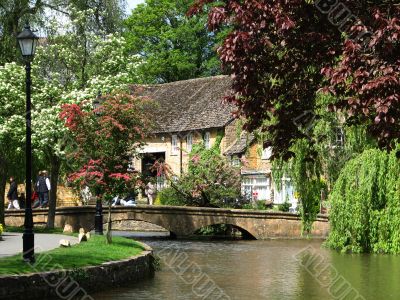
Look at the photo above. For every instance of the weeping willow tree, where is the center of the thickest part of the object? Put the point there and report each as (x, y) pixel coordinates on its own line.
(319, 157)
(305, 171)
(365, 214)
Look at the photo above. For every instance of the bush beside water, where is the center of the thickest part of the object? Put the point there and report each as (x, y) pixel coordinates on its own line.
(365, 213)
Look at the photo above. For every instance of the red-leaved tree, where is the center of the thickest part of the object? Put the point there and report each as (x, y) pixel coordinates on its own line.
(280, 53)
(107, 139)
(367, 78)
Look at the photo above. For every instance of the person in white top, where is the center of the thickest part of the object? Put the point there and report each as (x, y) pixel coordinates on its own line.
(150, 191)
(43, 187)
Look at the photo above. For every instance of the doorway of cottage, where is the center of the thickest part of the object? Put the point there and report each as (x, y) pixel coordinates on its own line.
(148, 170)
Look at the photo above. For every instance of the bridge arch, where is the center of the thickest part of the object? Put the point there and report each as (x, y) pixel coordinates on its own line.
(120, 219)
(245, 234)
(182, 225)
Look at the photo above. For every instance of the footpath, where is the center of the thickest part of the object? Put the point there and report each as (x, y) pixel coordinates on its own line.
(12, 242)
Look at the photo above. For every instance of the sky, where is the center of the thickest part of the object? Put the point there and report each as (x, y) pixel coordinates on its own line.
(132, 4)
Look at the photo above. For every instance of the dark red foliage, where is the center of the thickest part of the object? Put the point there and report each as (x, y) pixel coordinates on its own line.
(367, 77)
(277, 49)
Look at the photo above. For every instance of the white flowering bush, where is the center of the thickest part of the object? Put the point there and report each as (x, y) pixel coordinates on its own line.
(71, 66)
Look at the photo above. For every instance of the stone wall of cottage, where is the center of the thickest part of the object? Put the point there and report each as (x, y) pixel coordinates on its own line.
(254, 159)
(230, 135)
(163, 143)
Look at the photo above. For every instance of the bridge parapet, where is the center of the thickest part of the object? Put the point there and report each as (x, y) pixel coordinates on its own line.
(182, 220)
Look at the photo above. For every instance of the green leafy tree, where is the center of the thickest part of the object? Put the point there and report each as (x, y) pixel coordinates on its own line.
(106, 18)
(173, 46)
(11, 125)
(319, 158)
(69, 67)
(12, 15)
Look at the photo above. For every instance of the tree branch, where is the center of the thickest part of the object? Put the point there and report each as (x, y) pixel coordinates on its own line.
(56, 9)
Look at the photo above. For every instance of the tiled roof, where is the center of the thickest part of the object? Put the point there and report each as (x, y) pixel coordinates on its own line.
(241, 144)
(189, 105)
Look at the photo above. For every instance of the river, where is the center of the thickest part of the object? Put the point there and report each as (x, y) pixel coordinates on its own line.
(273, 269)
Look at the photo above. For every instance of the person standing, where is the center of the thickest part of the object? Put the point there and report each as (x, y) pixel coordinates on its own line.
(43, 187)
(12, 194)
(150, 192)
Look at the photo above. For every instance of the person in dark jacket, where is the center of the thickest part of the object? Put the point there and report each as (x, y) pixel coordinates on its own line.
(12, 194)
(43, 188)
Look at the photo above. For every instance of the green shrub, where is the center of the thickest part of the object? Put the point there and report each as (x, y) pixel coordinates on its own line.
(1, 229)
(169, 196)
(210, 181)
(365, 213)
(247, 206)
(284, 206)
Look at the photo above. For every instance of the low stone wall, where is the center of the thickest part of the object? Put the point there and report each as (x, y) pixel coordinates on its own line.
(79, 283)
(66, 196)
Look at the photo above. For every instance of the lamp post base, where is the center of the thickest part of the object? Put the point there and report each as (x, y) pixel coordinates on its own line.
(98, 219)
(28, 247)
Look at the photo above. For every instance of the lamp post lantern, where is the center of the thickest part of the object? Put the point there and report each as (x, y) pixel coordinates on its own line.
(27, 42)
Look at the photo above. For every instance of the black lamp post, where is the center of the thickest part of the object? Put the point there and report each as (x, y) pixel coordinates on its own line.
(98, 219)
(27, 42)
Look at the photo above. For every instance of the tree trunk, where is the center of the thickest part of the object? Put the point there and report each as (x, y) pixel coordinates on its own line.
(108, 234)
(55, 173)
(3, 181)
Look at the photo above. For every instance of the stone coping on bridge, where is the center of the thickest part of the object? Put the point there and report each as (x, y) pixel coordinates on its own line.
(68, 284)
(173, 209)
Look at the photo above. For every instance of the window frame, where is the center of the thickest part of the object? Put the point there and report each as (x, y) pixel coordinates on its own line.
(207, 140)
(174, 145)
(189, 142)
(254, 184)
(264, 156)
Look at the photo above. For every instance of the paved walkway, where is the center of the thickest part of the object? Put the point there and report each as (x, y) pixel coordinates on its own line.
(12, 242)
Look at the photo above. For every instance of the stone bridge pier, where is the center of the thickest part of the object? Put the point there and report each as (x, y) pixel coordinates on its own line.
(183, 221)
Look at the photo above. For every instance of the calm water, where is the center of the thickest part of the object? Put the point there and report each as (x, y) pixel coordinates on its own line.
(276, 269)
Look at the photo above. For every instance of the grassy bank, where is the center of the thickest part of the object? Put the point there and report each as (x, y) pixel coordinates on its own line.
(91, 253)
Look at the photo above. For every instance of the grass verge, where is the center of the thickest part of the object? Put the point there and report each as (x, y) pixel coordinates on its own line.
(91, 253)
(37, 229)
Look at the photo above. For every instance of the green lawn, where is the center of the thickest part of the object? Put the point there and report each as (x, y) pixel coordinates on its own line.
(93, 252)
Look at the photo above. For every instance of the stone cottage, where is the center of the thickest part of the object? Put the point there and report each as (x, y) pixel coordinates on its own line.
(192, 111)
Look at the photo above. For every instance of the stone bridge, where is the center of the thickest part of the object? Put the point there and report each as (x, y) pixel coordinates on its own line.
(182, 221)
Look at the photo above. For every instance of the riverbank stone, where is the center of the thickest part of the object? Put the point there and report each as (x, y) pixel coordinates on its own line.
(65, 243)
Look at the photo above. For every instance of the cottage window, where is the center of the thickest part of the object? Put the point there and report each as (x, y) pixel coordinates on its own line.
(267, 153)
(257, 187)
(189, 142)
(174, 145)
(207, 140)
(235, 161)
(285, 193)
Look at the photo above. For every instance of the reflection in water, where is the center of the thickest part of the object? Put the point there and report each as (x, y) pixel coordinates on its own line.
(267, 270)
